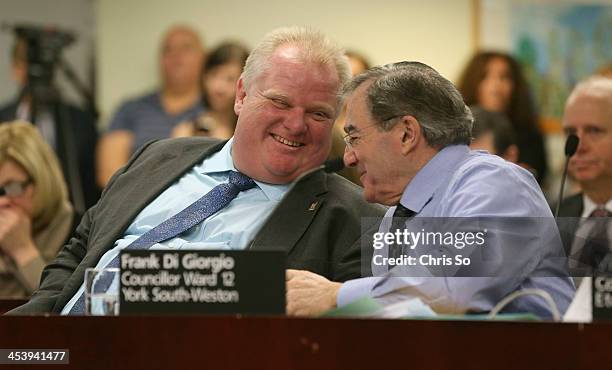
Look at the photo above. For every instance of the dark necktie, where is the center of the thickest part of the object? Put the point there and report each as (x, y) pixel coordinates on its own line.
(596, 245)
(213, 201)
(400, 216)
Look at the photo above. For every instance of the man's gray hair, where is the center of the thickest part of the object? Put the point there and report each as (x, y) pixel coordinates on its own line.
(599, 86)
(314, 46)
(413, 88)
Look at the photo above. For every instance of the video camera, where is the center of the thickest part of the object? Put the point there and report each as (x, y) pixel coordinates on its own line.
(44, 46)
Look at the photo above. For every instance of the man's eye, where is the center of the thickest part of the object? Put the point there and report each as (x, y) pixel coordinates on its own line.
(279, 103)
(570, 131)
(321, 116)
(593, 130)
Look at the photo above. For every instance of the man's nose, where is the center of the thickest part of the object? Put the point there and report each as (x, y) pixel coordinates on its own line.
(583, 144)
(296, 121)
(4, 201)
(350, 159)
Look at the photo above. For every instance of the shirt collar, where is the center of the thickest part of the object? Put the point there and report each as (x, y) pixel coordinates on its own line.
(422, 187)
(590, 206)
(222, 161)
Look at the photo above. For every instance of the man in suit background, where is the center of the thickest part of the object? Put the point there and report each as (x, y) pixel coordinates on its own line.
(588, 114)
(286, 102)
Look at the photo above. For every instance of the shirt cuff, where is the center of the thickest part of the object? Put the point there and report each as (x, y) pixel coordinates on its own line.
(355, 289)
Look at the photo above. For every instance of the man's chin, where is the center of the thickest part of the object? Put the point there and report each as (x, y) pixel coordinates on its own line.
(585, 176)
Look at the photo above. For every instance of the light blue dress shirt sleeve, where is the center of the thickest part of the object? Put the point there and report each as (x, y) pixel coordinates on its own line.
(353, 290)
(462, 183)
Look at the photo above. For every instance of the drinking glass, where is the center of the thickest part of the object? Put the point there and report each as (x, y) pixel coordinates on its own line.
(102, 291)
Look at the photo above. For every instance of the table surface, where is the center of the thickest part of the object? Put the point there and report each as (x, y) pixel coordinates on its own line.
(235, 342)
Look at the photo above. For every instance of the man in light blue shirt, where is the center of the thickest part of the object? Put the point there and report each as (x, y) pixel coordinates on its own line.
(262, 190)
(407, 134)
(231, 228)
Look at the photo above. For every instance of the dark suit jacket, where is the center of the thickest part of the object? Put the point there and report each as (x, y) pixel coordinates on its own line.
(570, 212)
(82, 127)
(318, 223)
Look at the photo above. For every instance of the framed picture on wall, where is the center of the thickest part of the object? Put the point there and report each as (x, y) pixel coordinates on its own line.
(557, 42)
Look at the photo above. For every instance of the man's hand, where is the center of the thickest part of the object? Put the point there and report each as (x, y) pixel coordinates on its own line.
(309, 294)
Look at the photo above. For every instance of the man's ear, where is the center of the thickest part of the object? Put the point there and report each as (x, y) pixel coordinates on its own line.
(240, 96)
(410, 133)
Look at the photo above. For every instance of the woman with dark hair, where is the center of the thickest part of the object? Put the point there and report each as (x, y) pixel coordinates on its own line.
(494, 81)
(220, 73)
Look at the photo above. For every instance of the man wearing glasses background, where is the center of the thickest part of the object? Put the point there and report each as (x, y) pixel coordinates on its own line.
(588, 114)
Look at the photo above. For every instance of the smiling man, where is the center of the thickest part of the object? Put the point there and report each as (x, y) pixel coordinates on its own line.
(408, 132)
(286, 102)
(286, 114)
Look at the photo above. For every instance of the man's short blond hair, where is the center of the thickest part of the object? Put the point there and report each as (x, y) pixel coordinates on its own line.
(314, 47)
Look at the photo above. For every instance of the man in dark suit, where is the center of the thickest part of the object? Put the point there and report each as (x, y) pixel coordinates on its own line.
(588, 114)
(286, 102)
(69, 130)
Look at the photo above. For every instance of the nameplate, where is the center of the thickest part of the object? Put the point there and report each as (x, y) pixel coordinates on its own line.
(602, 296)
(202, 282)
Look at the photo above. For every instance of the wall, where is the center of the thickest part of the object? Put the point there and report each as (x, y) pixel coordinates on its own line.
(436, 32)
(74, 15)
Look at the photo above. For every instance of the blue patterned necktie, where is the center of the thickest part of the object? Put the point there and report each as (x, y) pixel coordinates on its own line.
(213, 201)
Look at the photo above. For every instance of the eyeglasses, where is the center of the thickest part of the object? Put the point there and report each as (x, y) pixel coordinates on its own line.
(14, 189)
(351, 140)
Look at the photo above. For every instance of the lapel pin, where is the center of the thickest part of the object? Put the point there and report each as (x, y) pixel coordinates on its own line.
(313, 206)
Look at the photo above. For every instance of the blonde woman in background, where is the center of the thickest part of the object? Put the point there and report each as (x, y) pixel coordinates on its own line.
(35, 214)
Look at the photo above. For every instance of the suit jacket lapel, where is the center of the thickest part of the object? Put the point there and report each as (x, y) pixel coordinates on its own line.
(569, 220)
(135, 193)
(290, 220)
(572, 206)
(129, 194)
